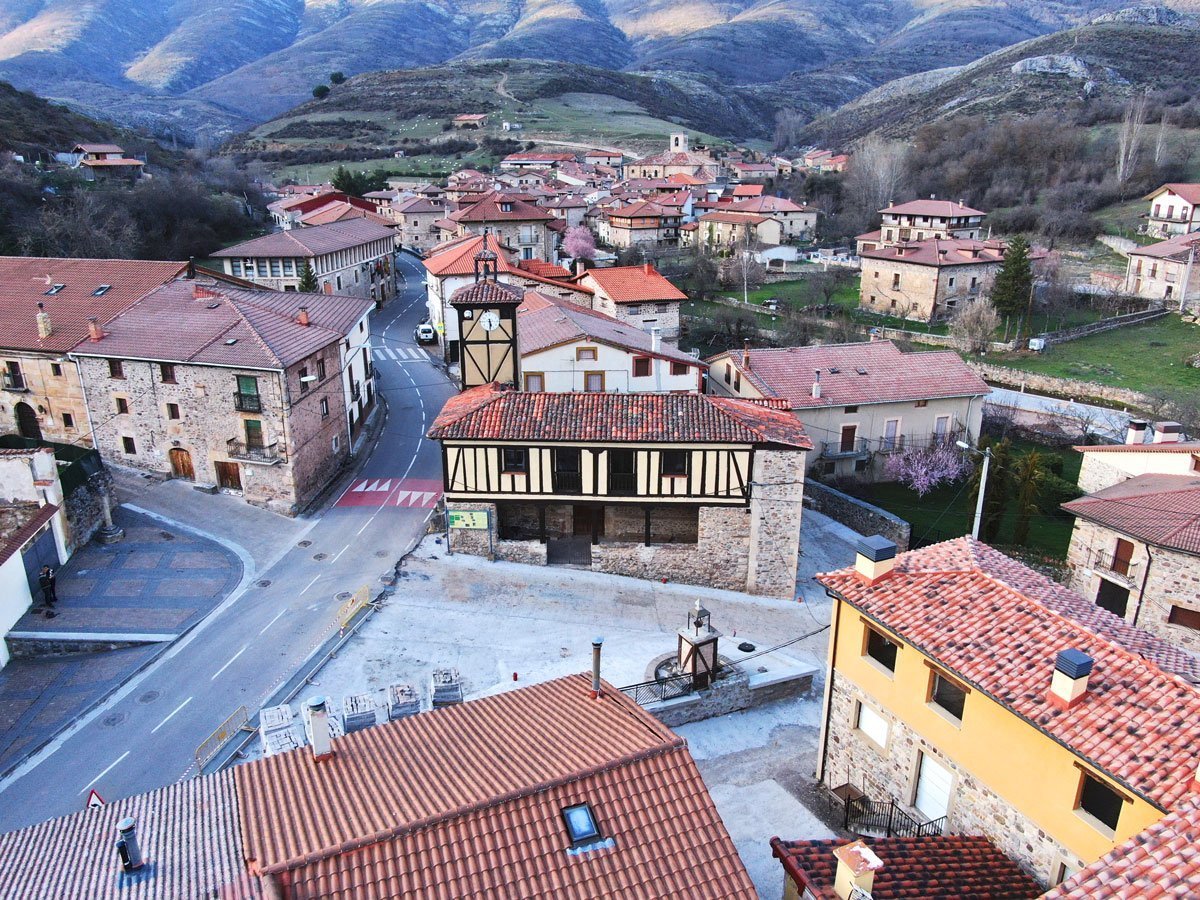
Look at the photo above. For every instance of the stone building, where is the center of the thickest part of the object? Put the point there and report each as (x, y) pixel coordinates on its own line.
(44, 307)
(726, 228)
(515, 222)
(353, 258)
(1167, 272)
(967, 694)
(860, 403)
(1134, 549)
(415, 220)
(243, 389)
(922, 220)
(677, 159)
(637, 295)
(697, 489)
(795, 220)
(642, 224)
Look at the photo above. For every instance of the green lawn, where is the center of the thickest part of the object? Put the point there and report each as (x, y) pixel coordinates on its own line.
(1143, 358)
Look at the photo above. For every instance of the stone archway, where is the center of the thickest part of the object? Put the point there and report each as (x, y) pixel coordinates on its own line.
(27, 422)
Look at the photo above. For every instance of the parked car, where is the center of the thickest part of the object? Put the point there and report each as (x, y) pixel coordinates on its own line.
(425, 333)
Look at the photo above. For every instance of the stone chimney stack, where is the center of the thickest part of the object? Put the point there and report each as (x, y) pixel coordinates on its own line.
(95, 332)
(43, 322)
(1069, 684)
(816, 388)
(875, 558)
(856, 868)
(302, 316)
(318, 726)
(1136, 433)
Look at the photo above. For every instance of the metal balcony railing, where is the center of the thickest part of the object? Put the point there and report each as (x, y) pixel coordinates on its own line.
(247, 402)
(622, 483)
(568, 482)
(1109, 562)
(856, 449)
(656, 691)
(14, 381)
(236, 448)
(888, 818)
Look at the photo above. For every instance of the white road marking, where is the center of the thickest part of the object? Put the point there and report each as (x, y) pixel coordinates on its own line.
(273, 621)
(402, 497)
(386, 486)
(379, 354)
(307, 586)
(105, 772)
(339, 553)
(171, 714)
(228, 664)
(361, 485)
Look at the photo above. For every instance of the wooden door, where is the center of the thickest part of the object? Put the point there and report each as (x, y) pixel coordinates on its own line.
(229, 475)
(181, 464)
(848, 433)
(588, 521)
(1123, 556)
(27, 422)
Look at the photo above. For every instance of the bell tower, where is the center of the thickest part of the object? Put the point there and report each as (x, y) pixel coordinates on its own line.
(487, 324)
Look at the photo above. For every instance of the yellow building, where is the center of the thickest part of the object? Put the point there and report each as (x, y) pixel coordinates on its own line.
(971, 695)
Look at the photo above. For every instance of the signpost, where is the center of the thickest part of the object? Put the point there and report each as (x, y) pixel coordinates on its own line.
(94, 800)
(472, 519)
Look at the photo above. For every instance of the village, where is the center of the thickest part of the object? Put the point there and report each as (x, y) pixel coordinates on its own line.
(657, 545)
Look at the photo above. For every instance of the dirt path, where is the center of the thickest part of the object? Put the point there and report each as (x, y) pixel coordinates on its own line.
(502, 89)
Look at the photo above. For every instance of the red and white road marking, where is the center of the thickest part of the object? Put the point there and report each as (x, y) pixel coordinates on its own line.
(416, 493)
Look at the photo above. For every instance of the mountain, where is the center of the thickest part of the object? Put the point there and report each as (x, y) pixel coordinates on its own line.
(205, 67)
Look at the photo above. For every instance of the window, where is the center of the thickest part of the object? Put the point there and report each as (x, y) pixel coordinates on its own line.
(974, 282)
(895, 281)
(581, 824)
(235, 267)
(678, 368)
(881, 649)
(642, 367)
(122, 406)
(921, 403)
(634, 309)
(947, 694)
(728, 369)
(593, 382)
(115, 369)
(254, 434)
(851, 409)
(675, 463)
(276, 268)
(128, 446)
(289, 267)
(1188, 618)
(950, 281)
(56, 370)
(339, 282)
(535, 382)
(321, 369)
(304, 382)
(514, 461)
(325, 410)
(1099, 801)
(662, 307)
(567, 463)
(737, 380)
(872, 724)
(585, 353)
(172, 410)
(68, 420)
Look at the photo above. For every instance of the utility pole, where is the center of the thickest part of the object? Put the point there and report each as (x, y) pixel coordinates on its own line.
(986, 453)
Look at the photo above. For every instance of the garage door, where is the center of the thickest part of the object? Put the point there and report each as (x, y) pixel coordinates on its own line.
(933, 788)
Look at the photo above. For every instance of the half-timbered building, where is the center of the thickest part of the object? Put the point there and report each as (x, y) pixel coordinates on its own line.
(690, 487)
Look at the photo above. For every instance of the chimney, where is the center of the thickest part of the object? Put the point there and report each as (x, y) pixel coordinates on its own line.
(94, 331)
(127, 845)
(875, 559)
(302, 316)
(1167, 432)
(43, 321)
(933, 196)
(656, 339)
(596, 643)
(746, 355)
(318, 726)
(856, 868)
(649, 269)
(200, 292)
(1136, 434)
(816, 388)
(1069, 685)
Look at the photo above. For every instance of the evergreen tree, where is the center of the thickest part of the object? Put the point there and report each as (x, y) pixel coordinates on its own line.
(336, 77)
(1014, 281)
(308, 279)
(321, 91)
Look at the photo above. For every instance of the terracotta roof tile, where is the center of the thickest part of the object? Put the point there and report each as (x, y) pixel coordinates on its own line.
(1159, 509)
(1169, 447)
(1189, 192)
(489, 413)
(1177, 248)
(458, 257)
(769, 205)
(488, 292)
(314, 241)
(634, 284)
(946, 252)
(891, 375)
(732, 217)
(489, 208)
(999, 626)
(643, 209)
(938, 867)
(544, 269)
(1162, 861)
(938, 208)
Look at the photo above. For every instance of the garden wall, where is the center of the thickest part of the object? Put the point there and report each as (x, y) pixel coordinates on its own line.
(857, 514)
(1069, 388)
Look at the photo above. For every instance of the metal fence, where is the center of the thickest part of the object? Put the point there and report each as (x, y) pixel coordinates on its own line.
(657, 691)
(214, 742)
(861, 814)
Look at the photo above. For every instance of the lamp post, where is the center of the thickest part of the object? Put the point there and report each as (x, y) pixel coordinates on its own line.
(986, 453)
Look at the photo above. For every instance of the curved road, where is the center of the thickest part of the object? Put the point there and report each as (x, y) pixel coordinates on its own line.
(259, 637)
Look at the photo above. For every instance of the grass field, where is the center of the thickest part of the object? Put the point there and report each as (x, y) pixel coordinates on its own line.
(1142, 358)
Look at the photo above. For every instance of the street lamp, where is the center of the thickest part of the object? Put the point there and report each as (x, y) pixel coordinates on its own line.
(986, 453)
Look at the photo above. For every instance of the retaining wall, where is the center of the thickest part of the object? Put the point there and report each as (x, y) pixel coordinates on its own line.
(857, 514)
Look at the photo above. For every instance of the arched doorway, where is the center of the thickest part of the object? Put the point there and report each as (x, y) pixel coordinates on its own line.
(181, 464)
(27, 422)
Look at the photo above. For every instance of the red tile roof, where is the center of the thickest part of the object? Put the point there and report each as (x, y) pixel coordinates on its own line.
(544, 269)
(105, 163)
(676, 159)
(468, 801)
(891, 376)
(1169, 447)
(491, 292)
(1162, 861)
(747, 190)
(1163, 510)
(19, 522)
(941, 867)
(533, 156)
(730, 217)
(936, 208)
(971, 610)
(340, 211)
(1178, 248)
(1189, 192)
(310, 242)
(458, 257)
(24, 281)
(99, 148)
(946, 252)
(489, 208)
(768, 205)
(489, 412)
(633, 284)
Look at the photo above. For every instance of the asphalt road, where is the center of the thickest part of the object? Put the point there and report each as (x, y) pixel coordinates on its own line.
(146, 735)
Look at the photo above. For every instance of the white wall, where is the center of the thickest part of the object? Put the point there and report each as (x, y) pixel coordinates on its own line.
(354, 368)
(564, 374)
(15, 598)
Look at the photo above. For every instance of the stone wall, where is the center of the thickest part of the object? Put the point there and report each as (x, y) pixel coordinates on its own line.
(857, 515)
(1060, 387)
(891, 772)
(776, 507)
(85, 508)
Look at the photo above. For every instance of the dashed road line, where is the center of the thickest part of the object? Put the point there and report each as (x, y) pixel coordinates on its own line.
(228, 664)
(273, 621)
(105, 772)
(170, 715)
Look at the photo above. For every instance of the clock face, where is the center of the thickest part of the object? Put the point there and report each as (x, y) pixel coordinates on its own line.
(490, 320)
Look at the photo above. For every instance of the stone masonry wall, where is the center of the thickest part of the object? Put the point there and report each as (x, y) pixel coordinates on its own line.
(891, 772)
(776, 506)
(1060, 387)
(857, 514)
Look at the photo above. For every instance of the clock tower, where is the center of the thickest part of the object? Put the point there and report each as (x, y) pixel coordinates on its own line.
(487, 326)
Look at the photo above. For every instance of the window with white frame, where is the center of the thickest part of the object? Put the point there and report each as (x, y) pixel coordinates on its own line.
(872, 724)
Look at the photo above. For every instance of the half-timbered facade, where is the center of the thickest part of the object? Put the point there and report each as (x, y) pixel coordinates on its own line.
(695, 488)
(487, 326)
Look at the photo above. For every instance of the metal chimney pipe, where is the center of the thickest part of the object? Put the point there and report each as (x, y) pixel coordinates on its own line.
(127, 845)
(318, 723)
(596, 642)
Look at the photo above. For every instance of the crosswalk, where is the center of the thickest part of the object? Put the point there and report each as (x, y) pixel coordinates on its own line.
(402, 354)
(415, 493)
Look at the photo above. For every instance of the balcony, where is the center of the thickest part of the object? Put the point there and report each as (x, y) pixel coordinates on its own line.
(265, 454)
(14, 381)
(880, 818)
(568, 482)
(247, 402)
(1113, 566)
(622, 484)
(920, 440)
(859, 448)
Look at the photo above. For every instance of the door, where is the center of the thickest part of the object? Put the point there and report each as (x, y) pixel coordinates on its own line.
(1123, 556)
(1113, 597)
(41, 551)
(27, 422)
(229, 476)
(891, 429)
(941, 429)
(588, 521)
(254, 434)
(933, 788)
(181, 464)
(848, 433)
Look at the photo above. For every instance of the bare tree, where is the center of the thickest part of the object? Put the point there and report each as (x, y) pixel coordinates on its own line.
(973, 324)
(1161, 141)
(878, 171)
(1129, 138)
(85, 225)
